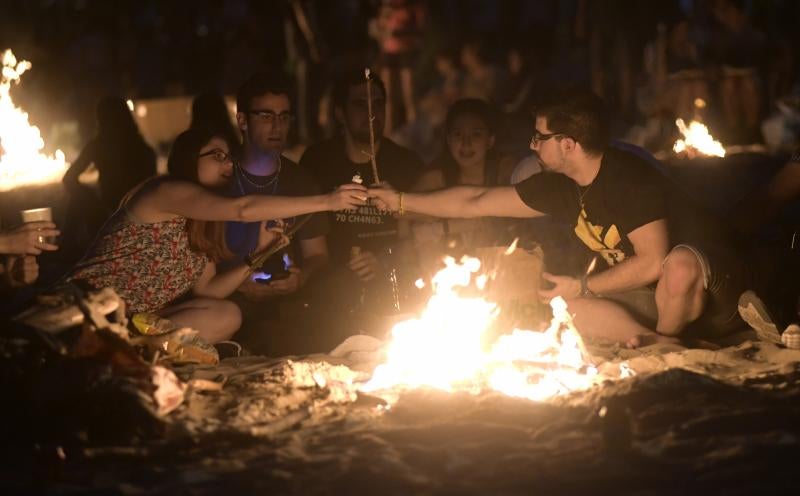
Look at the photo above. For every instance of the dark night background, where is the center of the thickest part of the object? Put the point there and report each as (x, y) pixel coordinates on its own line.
(82, 49)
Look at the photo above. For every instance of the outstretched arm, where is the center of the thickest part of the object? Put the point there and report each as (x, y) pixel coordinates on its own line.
(457, 202)
(165, 199)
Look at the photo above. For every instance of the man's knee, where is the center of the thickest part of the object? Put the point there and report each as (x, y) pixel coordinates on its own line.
(682, 273)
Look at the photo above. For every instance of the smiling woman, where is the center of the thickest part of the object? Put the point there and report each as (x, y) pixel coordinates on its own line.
(166, 238)
(468, 158)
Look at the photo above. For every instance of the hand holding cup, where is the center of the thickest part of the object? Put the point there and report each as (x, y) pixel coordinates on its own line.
(31, 238)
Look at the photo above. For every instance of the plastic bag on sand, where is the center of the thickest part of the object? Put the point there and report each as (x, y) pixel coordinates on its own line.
(169, 389)
(176, 344)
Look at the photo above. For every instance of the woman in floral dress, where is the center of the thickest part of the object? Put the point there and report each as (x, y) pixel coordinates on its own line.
(159, 250)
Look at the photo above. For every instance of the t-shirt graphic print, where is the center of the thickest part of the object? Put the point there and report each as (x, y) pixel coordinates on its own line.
(604, 241)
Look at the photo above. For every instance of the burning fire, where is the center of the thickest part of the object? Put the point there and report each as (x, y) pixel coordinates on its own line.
(697, 139)
(21, 160)
(445, 348)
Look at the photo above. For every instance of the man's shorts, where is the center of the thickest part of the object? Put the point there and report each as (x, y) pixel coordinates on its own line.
(727, 273)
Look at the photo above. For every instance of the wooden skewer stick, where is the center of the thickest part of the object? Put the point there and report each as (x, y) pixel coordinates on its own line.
(371, 127)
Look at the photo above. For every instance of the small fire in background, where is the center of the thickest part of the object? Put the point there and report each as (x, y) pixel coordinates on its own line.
(22, 162)
(445, 348)
(697, 140)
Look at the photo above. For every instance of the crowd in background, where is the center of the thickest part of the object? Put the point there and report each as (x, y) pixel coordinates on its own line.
(649, 60)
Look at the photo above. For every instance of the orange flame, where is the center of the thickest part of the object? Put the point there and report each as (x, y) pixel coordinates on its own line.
(444, 348)
(697, 139)
(21, 160)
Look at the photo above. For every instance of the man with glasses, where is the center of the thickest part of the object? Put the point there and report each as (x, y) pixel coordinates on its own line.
(668, 269)
(359, 239)
(264, 116)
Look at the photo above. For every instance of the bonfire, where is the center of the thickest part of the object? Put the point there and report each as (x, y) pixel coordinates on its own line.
(22, 162)
(454, 346)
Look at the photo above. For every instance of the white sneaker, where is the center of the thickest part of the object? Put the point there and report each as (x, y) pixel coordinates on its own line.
(753, 311)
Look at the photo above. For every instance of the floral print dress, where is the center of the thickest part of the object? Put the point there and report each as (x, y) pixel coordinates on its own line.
(148, 265)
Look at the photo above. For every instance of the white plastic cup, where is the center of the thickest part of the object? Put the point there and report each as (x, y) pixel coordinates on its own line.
(37, 215)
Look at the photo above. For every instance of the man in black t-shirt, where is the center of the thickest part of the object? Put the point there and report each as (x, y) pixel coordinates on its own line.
(264, 118)
(340, 159)
(666, 263)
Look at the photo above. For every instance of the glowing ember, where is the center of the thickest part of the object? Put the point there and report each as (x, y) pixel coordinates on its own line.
(445, 347)
(697, 140)
(21, 160)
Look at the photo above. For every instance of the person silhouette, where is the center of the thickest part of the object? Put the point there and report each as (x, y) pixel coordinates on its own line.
(122, 158)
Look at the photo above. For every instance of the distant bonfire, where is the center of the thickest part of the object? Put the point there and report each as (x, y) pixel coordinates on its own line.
(697, 141)
(22, 162)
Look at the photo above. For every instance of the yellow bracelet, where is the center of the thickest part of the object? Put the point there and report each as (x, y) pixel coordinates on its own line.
(400, 210)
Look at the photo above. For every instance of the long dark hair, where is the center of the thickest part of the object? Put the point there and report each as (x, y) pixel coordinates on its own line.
(204, 236)
(210, 111)
(446, 162)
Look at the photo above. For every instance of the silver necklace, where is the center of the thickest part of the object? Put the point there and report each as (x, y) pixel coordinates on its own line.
(582, 193)
(272, 182)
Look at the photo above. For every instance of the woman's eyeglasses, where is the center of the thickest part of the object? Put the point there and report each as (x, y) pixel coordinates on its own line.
(218, 155)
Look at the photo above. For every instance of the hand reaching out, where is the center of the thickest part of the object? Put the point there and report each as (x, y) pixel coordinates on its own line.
(348, 197)
(385, 197)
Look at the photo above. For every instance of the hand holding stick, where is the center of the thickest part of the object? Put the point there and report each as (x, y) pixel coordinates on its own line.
(257, 260)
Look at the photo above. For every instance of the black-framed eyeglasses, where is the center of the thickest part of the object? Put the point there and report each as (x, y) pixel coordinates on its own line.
(271, 117)
(218, 155)
(539, 137)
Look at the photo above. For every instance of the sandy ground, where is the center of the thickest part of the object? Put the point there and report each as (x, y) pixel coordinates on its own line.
(689, 421)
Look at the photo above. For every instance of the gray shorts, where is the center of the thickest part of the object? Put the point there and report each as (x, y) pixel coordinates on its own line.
(726, 275)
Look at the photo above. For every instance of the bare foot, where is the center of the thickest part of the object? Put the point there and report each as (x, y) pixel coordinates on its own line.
(649, 339)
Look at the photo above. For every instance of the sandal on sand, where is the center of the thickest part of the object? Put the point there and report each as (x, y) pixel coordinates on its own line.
(754, 311)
